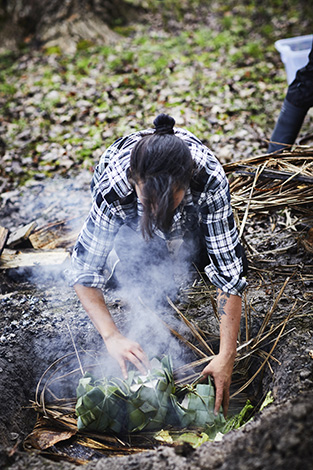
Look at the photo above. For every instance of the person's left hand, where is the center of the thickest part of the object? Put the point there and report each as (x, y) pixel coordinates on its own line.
(220, 369)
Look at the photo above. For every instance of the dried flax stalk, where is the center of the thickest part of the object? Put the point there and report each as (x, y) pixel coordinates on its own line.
(175, 333)
(268, 357)
(271, 182)
(252, 346)
(257, 173)
(192, 328)
(269, 314)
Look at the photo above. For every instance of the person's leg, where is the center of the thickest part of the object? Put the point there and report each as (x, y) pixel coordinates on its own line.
(287, 127)
(298, 100)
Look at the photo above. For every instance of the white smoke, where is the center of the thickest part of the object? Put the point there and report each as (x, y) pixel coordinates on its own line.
(147, 276)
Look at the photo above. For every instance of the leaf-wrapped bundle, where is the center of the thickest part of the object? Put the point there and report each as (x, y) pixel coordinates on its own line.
(147, 403)
(100, 406)
(197, 409)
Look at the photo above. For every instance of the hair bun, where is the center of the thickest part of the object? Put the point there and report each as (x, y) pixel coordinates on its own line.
(164, 124)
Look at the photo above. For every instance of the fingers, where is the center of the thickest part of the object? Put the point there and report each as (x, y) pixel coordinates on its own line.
(123, 350)
(219, 395)
(226, 402)
(221, 391)
(142, 357)
(123, 368)
(131, 357)
(139, 359)
(221, 398)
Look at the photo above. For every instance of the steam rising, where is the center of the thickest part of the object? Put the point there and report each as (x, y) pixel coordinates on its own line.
(147, 274)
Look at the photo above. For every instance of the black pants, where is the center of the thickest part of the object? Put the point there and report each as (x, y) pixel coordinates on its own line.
(298, 100)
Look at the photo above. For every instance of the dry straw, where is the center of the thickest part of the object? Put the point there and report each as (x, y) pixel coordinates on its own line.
(271, 182)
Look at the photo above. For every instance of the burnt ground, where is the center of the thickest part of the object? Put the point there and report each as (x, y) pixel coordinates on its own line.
(38, 308)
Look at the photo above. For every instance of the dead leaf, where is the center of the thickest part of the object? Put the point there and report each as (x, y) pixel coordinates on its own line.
(44, 436)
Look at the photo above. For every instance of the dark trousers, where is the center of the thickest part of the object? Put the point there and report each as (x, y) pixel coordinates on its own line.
(298, 100)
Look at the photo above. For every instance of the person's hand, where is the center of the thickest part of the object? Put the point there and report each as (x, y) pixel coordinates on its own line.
(123, 349)
(220, 368)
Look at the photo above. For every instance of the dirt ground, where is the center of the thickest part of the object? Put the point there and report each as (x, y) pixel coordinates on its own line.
(38, 309)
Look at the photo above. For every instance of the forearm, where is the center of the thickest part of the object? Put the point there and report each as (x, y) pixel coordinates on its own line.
(119, 347)
(221, 367)
(93, 302)
(229, 311)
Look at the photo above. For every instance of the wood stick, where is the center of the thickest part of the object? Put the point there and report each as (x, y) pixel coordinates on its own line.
(243, 223)
(191, 327)
(11, 259)
(21, 234)
(4, 233)
(273, 174)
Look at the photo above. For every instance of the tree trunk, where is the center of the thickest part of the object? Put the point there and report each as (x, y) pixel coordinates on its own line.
(60, 23)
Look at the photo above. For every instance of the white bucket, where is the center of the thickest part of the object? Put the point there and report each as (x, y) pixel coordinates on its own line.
(294, 53)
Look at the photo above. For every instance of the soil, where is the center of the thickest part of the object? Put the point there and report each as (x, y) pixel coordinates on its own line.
(38, 309)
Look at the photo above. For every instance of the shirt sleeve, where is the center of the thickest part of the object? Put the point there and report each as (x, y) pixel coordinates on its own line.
(226, 269)
(94, 244)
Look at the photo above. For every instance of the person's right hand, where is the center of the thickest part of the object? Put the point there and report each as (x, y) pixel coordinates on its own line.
(123, 349)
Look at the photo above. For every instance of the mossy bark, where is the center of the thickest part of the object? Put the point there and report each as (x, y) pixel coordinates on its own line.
(61, 23)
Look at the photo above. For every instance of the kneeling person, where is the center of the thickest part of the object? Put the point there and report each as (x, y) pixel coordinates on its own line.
(152, 188)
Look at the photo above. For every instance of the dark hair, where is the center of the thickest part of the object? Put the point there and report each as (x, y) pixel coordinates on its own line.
(161, 163)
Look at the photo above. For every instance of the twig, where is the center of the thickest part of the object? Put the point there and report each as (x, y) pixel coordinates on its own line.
(77, 355)
(276, 174)
(191, 327)
(192, 365)
(243, 223)
(270, 312)
(264, 362)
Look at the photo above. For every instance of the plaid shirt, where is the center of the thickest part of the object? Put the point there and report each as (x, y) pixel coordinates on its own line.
(206, 202)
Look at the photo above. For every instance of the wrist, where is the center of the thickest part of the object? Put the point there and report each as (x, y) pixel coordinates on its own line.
(109, 335)
(229, 354)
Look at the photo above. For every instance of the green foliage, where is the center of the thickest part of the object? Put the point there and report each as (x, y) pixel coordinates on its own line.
(124, 30)
(7, 88)
(53, 50)
(146, 403)
(235, 422)
(197, 409)
(216, 78)
(7, 60)
(269, 399)
(84, 44)
(100, 405)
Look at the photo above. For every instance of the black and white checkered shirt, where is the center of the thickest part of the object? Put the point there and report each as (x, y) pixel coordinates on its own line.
(115, 203)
